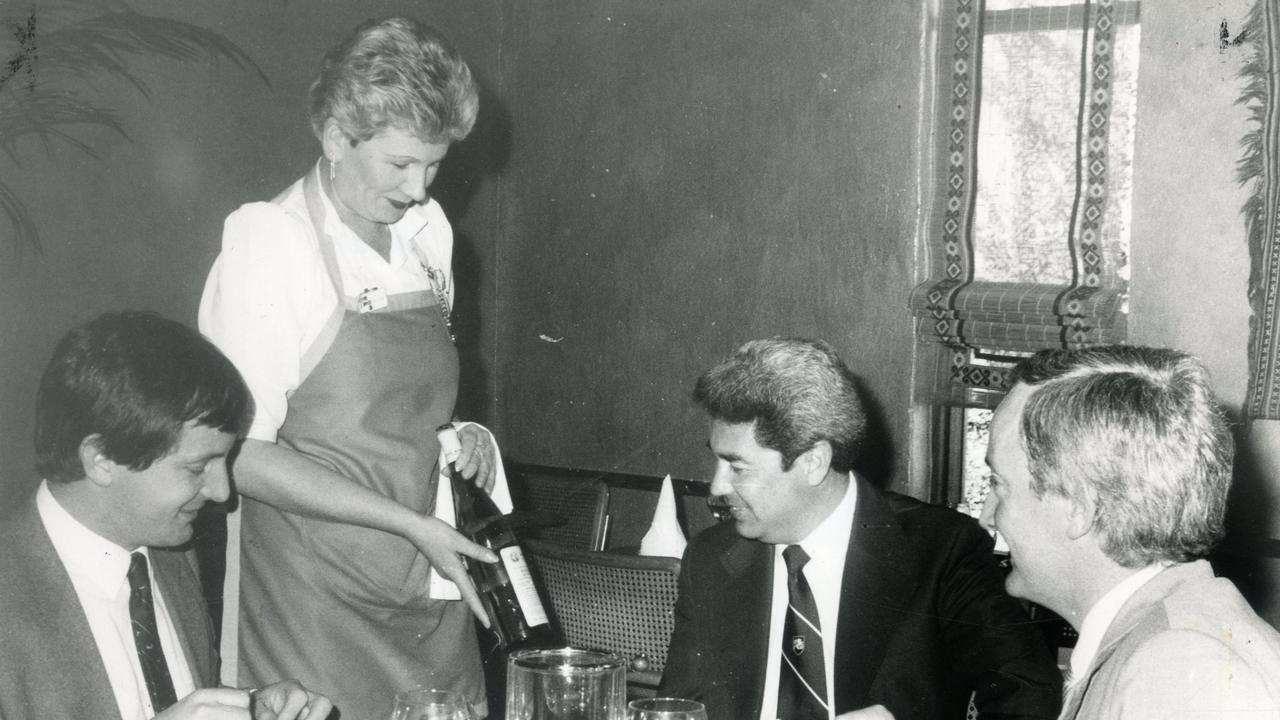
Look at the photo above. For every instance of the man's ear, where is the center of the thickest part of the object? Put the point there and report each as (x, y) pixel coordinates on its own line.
(816, 461)
(1080, 513)
(98, 468)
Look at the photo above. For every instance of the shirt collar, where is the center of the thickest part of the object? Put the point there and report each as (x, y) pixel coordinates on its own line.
(1102, 614)
(832, 534)
(83, 551)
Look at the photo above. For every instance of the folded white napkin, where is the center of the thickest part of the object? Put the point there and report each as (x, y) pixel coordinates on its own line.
(439, 587)
(664, 536)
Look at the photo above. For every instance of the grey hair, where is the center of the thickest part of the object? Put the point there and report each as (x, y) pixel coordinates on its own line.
(1140, 431)
(797, 392)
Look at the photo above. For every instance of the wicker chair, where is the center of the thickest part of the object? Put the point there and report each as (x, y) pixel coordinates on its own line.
(622, 603)
(582, 504)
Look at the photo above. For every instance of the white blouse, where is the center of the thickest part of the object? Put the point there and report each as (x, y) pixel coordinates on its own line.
(268, 295)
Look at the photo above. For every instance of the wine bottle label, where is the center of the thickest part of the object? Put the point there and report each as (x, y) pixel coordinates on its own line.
(522, 583)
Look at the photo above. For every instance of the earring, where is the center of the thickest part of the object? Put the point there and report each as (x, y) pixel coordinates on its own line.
(332, 166)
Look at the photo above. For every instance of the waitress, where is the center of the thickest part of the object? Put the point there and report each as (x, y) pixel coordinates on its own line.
(333, 300)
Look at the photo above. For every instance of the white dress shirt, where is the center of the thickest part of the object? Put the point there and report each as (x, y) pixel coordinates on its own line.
(1100, 617)
(826, 546)
(269, 296)
(99, 570)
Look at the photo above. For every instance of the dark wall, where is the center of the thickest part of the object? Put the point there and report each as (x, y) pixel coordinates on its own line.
(140, 225)
(651, 183)
(684, 177)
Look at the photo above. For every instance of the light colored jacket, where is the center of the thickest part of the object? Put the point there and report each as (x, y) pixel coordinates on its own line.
(1186, 645)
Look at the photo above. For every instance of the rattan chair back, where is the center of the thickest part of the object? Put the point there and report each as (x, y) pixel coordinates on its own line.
(622, 603)
(583, 505)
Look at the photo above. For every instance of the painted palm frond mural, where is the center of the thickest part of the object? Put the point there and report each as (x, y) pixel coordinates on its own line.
(51, 53)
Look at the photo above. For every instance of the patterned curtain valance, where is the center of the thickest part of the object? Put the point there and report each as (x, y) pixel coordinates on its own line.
(1016, 316)
(958, 312)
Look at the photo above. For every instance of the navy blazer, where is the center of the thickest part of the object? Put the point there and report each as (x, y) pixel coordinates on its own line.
(924, 621)
(49, 662)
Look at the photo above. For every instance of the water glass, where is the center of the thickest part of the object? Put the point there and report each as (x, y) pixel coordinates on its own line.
(431, 704)
(566, 684)
(666, 709)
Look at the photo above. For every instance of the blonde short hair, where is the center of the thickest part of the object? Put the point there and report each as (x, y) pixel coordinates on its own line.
(395, 73)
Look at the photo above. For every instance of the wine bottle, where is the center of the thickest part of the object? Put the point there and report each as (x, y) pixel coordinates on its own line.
(507, 588)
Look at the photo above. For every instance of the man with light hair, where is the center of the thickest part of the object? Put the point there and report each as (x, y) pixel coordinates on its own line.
(1111, 468)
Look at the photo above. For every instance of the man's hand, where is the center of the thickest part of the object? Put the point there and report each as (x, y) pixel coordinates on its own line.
(285, 700)
(875, 712)
(442, 545)
(208, 704)
(288, 700)
(476, 460)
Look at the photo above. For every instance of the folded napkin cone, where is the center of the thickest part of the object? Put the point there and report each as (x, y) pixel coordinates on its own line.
(664, 536)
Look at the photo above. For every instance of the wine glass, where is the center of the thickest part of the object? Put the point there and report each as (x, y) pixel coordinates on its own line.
(666, 709)
(431, 704)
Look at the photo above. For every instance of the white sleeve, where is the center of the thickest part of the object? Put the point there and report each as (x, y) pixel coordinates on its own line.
(266, 297)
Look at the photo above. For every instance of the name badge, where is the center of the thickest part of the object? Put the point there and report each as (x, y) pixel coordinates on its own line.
(371, 299)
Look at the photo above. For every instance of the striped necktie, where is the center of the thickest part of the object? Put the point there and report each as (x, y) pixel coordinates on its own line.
(802, 681)
(146, 637)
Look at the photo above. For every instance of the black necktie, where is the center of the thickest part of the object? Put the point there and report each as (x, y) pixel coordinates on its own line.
(146, 637)
(802, 681)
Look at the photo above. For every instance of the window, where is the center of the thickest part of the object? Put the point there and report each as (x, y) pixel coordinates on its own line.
(1027, 145)
(1028, 236)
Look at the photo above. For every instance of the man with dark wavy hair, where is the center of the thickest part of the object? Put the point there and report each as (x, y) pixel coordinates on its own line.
(1111, 467)
(103, 616)
(826, 597)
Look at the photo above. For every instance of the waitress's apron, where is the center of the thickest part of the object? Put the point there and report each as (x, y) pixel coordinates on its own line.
(344, 609)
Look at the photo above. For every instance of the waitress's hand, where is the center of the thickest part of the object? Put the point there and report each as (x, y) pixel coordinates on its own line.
(442, 545)
(476, 461)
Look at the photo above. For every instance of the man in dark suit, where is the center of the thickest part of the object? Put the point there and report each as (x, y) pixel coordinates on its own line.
(135, 418)
(826, 597)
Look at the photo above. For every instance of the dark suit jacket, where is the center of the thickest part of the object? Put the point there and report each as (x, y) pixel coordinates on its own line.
(49, 663)
(924, 620)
